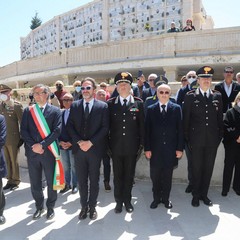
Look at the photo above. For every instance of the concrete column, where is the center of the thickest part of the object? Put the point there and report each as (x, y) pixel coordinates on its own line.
(171, 73)
(65, 79)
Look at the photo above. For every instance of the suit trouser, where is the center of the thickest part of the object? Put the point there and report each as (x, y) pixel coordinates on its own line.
(87, 166)
(189, 161)
(36, 164)
(162, 182)
(123, 177)
(106, 167)
(232, 161)
(10, 153)
(2, 198)
(203, 159)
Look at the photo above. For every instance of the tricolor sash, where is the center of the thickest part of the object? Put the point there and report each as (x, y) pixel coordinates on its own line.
(43, 128)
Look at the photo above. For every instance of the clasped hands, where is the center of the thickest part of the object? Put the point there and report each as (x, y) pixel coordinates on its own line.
(85, 145)
(37, 148)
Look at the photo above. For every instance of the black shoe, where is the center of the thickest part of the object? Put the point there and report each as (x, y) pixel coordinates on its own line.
(14, 187)
(107, 186)
(50, 214)
(129, 207)
(206, 201)
(83, 213)
(189, 189)
(38, 214)
(237, 192)
(2, 219)
(93, 214)
(7, 186)
(195, 202)
(118, 208)
(154, 204)
(74, 190)
(65, 189)
(168, 204)
(224, 194)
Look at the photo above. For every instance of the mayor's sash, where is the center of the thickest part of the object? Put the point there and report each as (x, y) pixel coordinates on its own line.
(43, 128)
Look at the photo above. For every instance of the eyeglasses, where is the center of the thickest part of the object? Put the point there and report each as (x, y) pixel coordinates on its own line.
(38, 93)
(191, 76)
(184, 80)
(151, 80)
(229, 72)
(86, 88)
(77, 85)
(67, 100)
(162, 92)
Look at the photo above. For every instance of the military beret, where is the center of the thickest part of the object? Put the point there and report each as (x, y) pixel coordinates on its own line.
(4, 88)
(205, 72)
(159, 80)
(123, 77)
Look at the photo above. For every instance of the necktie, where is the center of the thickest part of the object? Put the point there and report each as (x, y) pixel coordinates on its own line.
(163, 110)
(66, 116)
(205, 96)
(125, 103)
(86, 112)
(41, 108)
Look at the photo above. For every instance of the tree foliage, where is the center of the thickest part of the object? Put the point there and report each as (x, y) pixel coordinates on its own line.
(36, 22)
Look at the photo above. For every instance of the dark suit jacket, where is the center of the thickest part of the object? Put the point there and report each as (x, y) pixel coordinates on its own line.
(146, 93)
(29, 131)
(64, 136)
(98, 123)
(163, 139)
(126, 128)
(181, 94)
(231, 127)
(203, 121)
(227, 101)
(3, 134)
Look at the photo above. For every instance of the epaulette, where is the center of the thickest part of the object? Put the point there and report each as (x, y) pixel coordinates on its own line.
(137, 98)
(111, 99)
(190, 92)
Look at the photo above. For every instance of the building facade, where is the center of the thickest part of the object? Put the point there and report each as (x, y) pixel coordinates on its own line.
(103, 21)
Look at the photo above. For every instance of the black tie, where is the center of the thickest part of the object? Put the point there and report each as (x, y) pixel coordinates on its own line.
(41, 108)
(163, 110)
(205, 97)
(86, 112)
(125, 103)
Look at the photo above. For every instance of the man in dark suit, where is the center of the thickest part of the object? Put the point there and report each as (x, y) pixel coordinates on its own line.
(203, 130)
(163, 144)
(126, 138)
(88, 127)
(39, 157)
(190, 77)
(228, 88)
(3, 168)
(151, 91)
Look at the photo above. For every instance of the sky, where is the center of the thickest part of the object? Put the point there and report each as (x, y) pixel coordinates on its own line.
(16, 16)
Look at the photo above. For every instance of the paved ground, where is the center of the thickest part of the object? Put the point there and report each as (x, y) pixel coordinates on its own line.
(220, 222)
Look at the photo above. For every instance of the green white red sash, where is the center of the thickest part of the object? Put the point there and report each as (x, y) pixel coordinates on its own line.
(43, 128)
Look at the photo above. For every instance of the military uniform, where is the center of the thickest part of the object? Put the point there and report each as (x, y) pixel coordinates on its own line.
(125, 139)
(203, 130)
(12, 111)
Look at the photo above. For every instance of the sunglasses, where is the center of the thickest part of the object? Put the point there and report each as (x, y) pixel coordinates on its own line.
(184, 80)
(228, 72)
(86, 88)
(191, 76)
(162, 92)
(77, 85)
(67, 100)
